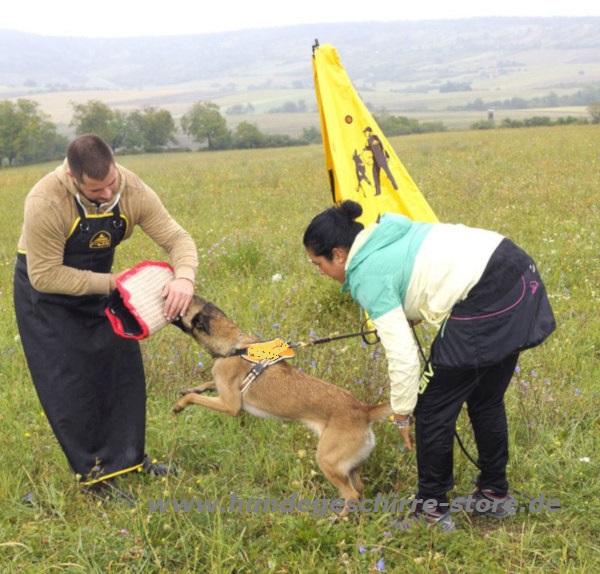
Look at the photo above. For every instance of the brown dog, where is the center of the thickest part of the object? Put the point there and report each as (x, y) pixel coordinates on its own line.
(342, 422)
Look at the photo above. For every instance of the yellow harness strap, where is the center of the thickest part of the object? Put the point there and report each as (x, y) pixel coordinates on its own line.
(264, 355)
(272, 351)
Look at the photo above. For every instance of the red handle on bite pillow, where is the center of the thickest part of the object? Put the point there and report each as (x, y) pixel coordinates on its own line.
(135, 308)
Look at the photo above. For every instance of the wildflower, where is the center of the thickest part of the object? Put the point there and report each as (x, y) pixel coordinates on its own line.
(381, 565)
(361, 549)
(277, 277)
(584, 459)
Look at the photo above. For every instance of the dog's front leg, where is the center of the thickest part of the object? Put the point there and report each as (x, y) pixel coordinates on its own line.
(208, 386)
(228, 401)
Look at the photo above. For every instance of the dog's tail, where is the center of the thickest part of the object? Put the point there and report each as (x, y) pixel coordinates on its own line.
(379, 412)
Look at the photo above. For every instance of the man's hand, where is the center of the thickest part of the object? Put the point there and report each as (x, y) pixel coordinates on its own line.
(178, 296)
(114, 277)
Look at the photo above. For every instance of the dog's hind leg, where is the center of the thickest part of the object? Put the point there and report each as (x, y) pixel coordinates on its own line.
(356, 480)
(338, 464)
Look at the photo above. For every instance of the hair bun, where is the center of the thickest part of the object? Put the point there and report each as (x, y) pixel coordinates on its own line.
(351, 209)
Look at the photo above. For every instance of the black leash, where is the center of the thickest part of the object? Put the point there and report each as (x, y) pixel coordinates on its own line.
(426, 361)
(364, 334)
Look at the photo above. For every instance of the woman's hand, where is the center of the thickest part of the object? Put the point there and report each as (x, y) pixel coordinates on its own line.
(402, 422)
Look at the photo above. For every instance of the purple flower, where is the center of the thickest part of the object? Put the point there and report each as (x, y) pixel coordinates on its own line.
(381, 565)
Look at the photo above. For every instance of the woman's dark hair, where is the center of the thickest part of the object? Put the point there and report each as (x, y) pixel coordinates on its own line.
(89, 154)
(334, 227)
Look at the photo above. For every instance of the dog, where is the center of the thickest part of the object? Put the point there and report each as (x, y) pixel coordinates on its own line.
(341, 421)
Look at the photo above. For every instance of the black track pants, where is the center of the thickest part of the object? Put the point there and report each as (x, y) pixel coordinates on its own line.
(436, 413)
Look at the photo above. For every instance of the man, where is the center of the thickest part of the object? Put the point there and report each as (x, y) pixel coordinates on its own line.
(89, 380)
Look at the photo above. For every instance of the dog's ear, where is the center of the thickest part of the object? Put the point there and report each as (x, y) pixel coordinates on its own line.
(201, 322)
(211, 309)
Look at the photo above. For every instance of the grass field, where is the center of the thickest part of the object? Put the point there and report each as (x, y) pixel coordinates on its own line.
(247, 211)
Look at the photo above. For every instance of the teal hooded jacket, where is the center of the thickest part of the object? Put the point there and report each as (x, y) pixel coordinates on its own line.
(398, 271)
(379, 273)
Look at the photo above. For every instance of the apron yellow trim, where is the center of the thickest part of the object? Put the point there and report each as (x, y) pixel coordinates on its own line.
(113, 474)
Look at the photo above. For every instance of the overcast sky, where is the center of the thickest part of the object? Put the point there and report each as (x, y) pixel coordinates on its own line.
(124, 18)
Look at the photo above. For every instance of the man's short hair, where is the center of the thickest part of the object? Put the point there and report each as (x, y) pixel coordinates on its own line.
(90, 155)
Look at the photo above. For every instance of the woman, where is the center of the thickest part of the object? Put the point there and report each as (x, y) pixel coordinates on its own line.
(488, 300)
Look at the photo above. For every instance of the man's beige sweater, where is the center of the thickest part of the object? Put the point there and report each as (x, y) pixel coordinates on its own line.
(50, 216)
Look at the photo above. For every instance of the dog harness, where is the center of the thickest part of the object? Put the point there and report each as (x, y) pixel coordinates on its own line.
(264, 355)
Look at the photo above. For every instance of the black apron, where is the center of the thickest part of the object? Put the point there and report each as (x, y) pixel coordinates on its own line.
(90, 381)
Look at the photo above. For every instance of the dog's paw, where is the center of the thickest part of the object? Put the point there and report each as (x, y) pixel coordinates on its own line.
(177, 408)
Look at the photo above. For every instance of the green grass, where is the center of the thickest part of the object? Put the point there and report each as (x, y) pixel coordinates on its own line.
(247, 211)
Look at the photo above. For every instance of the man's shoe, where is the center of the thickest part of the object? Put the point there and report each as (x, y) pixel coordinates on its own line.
(432, 518)
(150, 466)
(484, 502)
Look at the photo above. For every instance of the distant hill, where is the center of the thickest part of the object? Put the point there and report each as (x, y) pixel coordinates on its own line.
(412, 67)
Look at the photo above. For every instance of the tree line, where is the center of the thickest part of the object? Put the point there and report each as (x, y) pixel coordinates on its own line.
(587, 96)
(28, 136)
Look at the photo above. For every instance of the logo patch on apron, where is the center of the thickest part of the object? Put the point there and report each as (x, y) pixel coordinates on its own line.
(100, 240)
